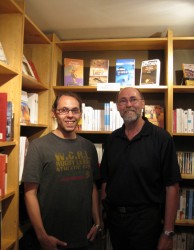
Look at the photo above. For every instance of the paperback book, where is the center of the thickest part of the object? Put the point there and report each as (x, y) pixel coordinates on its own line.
(73, 72)
(2, 54)
(155, 114)
(188, 73)
(125, 72)
(150, 73)
(99, 70)
(26, 68)
(3, 116)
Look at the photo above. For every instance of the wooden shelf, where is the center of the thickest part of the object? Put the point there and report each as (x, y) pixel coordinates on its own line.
(29, 83)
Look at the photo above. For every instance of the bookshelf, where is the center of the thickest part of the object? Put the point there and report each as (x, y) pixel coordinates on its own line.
(28, 40)
(47, 54)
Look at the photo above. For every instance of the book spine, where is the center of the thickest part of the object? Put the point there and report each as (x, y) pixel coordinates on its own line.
(3, 116)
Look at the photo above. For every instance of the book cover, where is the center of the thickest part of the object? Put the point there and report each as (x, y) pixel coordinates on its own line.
(25, 113)
(73, 72)
(3, 57)
(26, 68)
(150, 73)
(3, 116)
(125, 72)
(23, 150)
(155, 114)
(99, 70)
(188, 73)
(33, 107)
(3, 174)
(34, 70)
(10, 120)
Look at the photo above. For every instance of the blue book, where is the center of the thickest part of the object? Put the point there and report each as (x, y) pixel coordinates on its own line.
(125, 72)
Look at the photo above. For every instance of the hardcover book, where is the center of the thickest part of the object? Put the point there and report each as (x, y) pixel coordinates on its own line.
(155, 114)
(3, 116)
(150, 73)
(2, 54)
(125, 72)
(188, 73)
(10, 121)
(3, 174)
(34, 71)
(73, 72)
(99, 70)
(26, 68)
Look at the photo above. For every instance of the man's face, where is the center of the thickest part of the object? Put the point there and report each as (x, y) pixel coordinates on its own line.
(130, 105)
(68, 113)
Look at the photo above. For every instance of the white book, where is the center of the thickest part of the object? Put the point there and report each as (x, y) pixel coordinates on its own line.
(23, 150)
(150, 73)
(33, 106)
(190, 119)
(185, 121)
(26, 68)
(179, 118)
(83, 116)
(3, 57)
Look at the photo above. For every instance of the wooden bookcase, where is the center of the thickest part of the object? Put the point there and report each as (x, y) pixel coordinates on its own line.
(19, 35)
(47, 53)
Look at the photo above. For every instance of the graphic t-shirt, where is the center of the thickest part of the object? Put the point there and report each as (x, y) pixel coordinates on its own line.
(65, 170)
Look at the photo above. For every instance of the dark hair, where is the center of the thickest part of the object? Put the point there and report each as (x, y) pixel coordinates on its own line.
(68, 93)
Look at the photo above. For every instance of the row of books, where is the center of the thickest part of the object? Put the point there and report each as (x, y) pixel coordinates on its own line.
(186, 204)
(183, 241)
(109, 118)
(29, 107)
(186, 162)
(3, 174)
(183, 120)
(6, 118)
(99, 72)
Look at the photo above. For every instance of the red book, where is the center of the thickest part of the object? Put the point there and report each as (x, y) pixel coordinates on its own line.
(34, 71)
(3, 174)
(3, 116)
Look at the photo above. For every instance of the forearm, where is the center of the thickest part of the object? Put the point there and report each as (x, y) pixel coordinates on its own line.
(33, 209)
(172, 201)
(95, 205)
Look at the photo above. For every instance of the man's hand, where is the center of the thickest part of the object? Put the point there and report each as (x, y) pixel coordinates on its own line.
(51, 243)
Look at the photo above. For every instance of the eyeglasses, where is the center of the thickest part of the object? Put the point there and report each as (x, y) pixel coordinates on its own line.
(65, 111)
(132, 100)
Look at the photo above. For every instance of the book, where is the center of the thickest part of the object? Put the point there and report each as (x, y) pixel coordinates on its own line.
(125, 72)
(188, 73)
(33, 107)
(155, 114)
(10, 122)
(150, 73)
(3, 57)
(3, 173)
(34, 70)
(3, 116)
(25, 111)
(99, 70)
(26, 68)
(24, 143)
(73, 72)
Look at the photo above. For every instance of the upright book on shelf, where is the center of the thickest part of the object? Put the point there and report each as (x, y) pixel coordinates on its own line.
(188, 73)
(99, 70)
(10, 121)
(3, 116)
(150, 73)
(73, 72)
(125, 72)
(3, 57)
(3, 174)
(155, 114)
(26, 68)
(33, 107)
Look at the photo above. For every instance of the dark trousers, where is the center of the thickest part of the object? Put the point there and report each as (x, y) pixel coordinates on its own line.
(138, 228)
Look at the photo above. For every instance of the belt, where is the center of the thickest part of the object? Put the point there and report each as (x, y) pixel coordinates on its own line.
(121, 210)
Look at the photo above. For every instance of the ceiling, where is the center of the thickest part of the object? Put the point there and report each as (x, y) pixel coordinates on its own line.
(90, 19)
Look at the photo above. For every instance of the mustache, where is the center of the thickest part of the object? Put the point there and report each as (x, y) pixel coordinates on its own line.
(130, 109)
